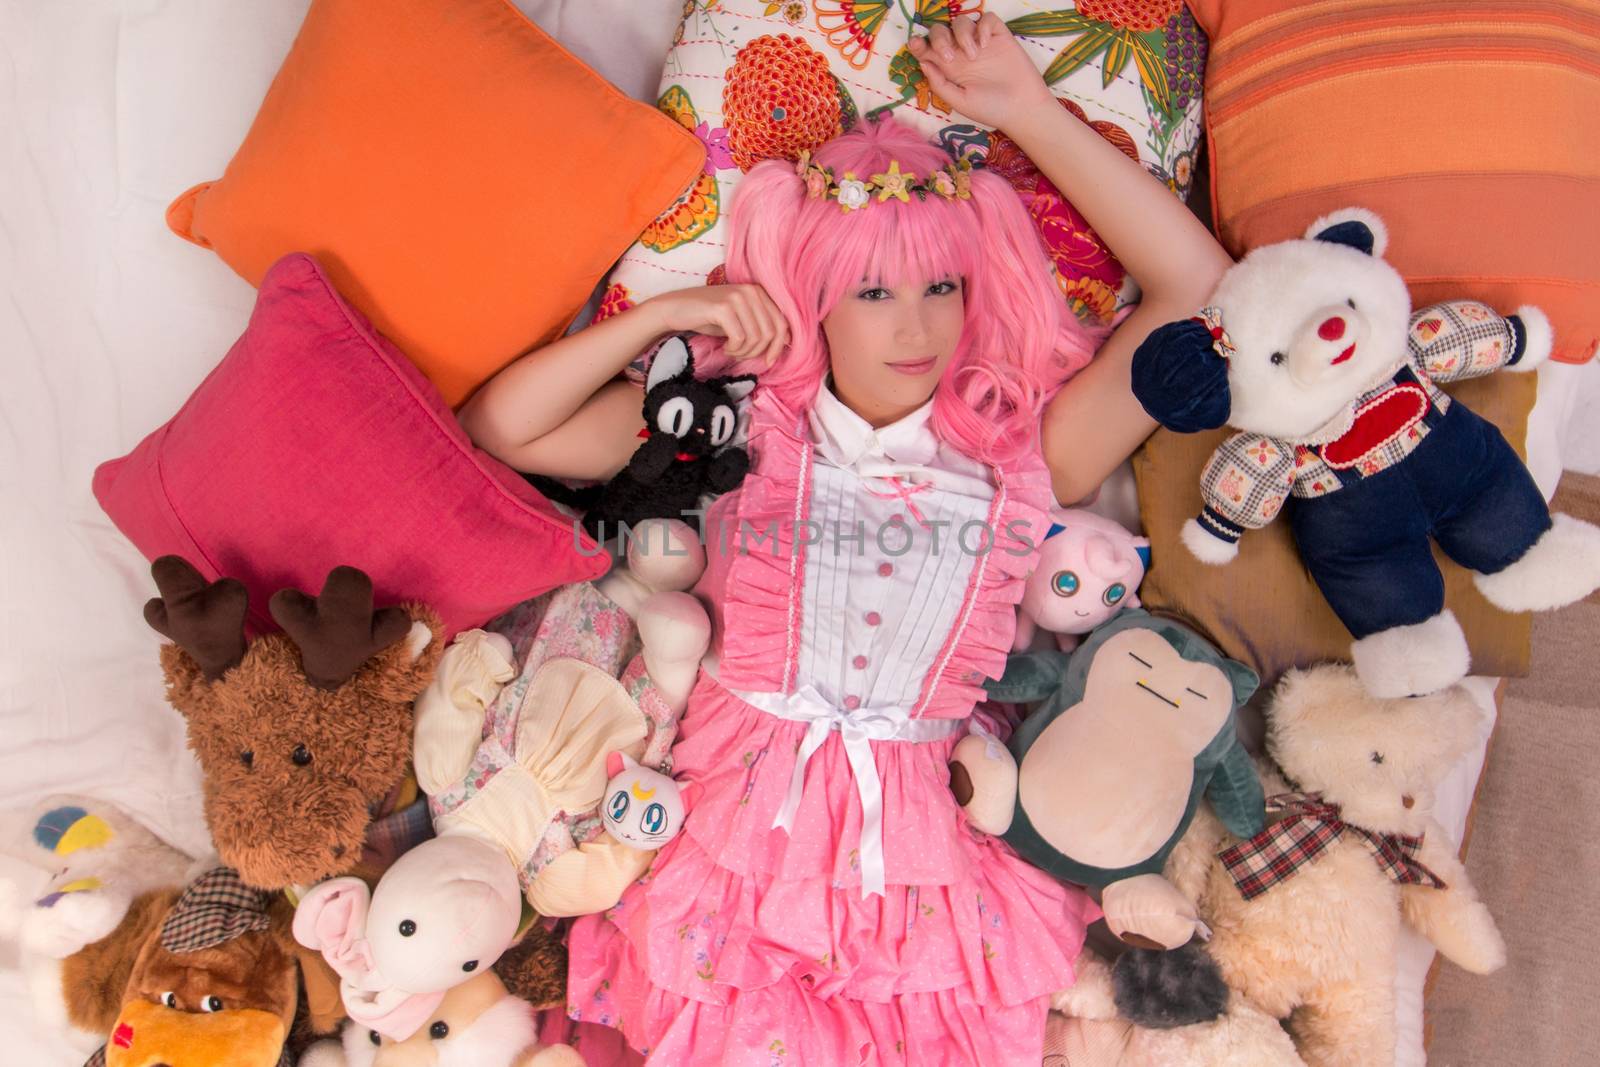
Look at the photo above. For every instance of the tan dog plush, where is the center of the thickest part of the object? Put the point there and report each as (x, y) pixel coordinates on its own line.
(212, 982)
(478, 1024)
(1305, 917)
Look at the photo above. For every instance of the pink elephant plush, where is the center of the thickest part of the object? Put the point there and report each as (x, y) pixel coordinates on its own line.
(1088, 570)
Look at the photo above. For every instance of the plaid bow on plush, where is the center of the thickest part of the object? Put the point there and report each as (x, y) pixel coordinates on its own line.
(1306, 830)
(217, 908)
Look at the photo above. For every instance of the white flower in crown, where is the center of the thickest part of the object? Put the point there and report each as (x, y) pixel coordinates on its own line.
(852, 193)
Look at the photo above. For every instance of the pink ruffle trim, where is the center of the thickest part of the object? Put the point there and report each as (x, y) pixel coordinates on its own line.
(765, 574)
(695, 941)
(977, 646)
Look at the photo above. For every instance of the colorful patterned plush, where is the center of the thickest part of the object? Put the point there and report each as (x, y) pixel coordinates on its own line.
(565, 647)
(68, 881)
(121, 958)
(757, 79)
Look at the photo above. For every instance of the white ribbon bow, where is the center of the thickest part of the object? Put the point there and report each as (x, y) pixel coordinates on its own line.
(857, 731)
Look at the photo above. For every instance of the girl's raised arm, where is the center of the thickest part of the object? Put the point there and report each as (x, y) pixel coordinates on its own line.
(561, 411)
(1094, 422)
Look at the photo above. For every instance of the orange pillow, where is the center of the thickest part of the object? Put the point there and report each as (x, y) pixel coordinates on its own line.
(1469, 127)
(464, 180)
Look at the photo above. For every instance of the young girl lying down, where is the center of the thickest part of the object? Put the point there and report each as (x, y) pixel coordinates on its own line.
(826, 899)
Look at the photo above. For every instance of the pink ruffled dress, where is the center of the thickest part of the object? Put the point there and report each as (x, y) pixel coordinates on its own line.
(827, 902)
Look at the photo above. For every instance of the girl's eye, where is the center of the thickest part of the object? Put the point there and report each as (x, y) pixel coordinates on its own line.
(878, 293)
(169, 1000)
(676, 417)
(1114, 593)
(1065, 583)
(211, 1004)
(721, 424)
(942, 288)
(619, 805)
(655, 819)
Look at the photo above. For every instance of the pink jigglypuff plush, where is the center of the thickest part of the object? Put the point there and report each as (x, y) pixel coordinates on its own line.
(1089, 568)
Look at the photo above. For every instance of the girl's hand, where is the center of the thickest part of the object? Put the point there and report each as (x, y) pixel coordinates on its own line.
(743, 314)
(980, 69)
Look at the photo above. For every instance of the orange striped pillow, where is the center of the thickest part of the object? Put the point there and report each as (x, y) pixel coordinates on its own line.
(1470, 126)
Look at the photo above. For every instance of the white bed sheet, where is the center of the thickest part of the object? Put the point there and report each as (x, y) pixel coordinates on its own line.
(110, 108)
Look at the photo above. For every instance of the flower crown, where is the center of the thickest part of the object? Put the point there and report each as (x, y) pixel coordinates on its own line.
(953, 181)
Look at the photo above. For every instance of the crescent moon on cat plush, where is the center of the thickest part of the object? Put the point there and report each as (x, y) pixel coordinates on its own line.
(642, 794)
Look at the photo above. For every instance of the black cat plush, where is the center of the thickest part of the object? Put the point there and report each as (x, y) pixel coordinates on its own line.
(688, 424)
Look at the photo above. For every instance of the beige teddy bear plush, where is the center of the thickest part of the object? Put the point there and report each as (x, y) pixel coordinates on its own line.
(1306, 915)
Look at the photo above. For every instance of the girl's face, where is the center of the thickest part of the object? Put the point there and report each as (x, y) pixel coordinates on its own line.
(888, 346)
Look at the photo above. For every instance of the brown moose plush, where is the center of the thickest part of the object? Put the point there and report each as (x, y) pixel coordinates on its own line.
(301, 735)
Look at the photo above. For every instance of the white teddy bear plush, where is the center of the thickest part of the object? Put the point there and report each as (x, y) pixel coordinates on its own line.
(1311, 350)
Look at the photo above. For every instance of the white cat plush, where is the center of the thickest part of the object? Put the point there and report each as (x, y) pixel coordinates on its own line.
(644, 808)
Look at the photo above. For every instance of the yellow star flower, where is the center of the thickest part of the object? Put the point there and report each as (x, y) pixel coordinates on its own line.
(894, 183)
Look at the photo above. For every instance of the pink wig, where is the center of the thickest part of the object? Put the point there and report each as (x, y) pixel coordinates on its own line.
(1020, 340)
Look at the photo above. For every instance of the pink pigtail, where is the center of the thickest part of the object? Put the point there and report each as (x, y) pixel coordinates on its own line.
(1022, 341)
(761, 251)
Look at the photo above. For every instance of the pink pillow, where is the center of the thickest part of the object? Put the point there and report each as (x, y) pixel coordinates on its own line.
(316, 443)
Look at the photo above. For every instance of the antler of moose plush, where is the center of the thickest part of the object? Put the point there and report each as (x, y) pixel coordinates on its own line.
(300, 734)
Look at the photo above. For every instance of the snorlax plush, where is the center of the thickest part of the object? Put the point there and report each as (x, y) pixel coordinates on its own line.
(1098, 784)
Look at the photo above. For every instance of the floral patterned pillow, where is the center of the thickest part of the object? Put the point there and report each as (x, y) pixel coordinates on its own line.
(764, 79)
